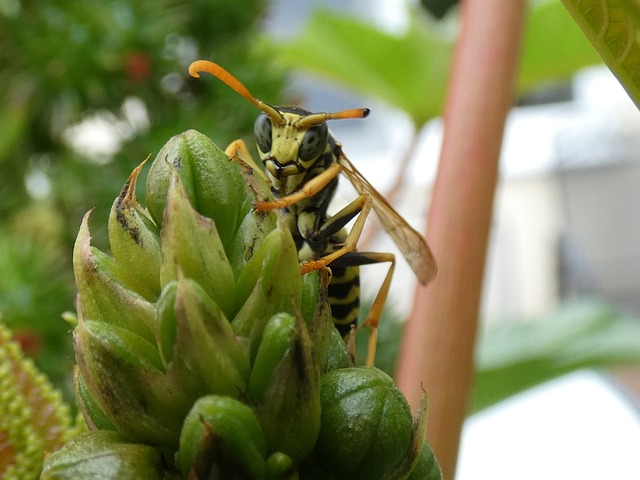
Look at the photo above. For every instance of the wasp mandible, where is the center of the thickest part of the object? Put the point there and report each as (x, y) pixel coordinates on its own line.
(302, 163)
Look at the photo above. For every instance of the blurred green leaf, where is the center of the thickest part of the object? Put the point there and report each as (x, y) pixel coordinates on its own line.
(514, 356)
(410, 71)
(613, 28)
(553, 46)
(407, 71)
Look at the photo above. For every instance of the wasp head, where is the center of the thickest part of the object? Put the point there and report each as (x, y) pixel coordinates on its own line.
(290, 139)
(288, 146)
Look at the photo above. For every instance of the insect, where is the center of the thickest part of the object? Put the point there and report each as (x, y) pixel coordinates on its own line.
(302, 163)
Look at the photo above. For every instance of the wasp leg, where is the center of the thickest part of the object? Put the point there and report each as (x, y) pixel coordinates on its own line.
(309, 189)
(361, 207)
(239, 153)
(373, 318)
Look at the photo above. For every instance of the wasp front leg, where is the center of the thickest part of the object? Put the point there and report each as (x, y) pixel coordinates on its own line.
(238, 152)
(308, 190)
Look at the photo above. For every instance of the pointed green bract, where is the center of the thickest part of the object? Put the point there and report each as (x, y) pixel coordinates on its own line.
(206, 342)
(191, 245)
(103, 295)
(93, 415)
(317, 314)
(275, 264)
(254, 227)
(427, 467)
(276, 341)
(134, 243)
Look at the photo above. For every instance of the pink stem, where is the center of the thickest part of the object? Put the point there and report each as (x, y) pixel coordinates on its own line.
(438, 344)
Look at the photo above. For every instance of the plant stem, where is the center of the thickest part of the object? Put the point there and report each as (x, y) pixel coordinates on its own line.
(437, 348)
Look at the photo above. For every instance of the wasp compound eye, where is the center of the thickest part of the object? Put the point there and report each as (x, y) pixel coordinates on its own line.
(313, 142)
(262, 132)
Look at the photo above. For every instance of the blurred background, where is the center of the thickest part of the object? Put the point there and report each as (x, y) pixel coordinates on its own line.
(88, 89)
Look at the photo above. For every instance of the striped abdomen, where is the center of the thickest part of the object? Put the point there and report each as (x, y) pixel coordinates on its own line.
(344, 297)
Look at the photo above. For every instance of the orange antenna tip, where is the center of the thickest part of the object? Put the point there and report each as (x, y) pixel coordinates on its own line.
(315, 118)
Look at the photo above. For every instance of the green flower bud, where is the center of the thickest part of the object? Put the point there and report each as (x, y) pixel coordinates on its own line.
(134, 241)
(104, 455)
(254, 310)
(223, 435)
(289, 410)
(190, 244)
(202, 307)
(212, 182)
(281, 467)
(367, 429)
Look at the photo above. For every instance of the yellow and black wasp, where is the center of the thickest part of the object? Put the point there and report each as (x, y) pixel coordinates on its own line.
(302, 162)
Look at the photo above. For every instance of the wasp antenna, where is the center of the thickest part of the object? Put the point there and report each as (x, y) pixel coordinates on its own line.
(316, 118)
(221, 74)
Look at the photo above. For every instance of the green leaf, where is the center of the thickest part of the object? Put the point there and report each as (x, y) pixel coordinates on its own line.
(407, 71)
(613, 28)
(411, 71)
(553, 46)
(515, 356)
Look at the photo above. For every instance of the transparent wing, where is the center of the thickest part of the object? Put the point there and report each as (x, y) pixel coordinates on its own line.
(411, 243)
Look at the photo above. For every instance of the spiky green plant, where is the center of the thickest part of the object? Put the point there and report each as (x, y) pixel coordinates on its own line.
(33, 418)
(203, 353)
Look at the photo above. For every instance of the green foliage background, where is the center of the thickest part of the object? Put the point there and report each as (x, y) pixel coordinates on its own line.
(62, 62)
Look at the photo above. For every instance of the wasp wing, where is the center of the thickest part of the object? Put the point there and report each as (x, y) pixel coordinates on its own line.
(411, 243)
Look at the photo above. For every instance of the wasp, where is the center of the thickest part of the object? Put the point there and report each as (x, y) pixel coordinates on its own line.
(302, 163)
